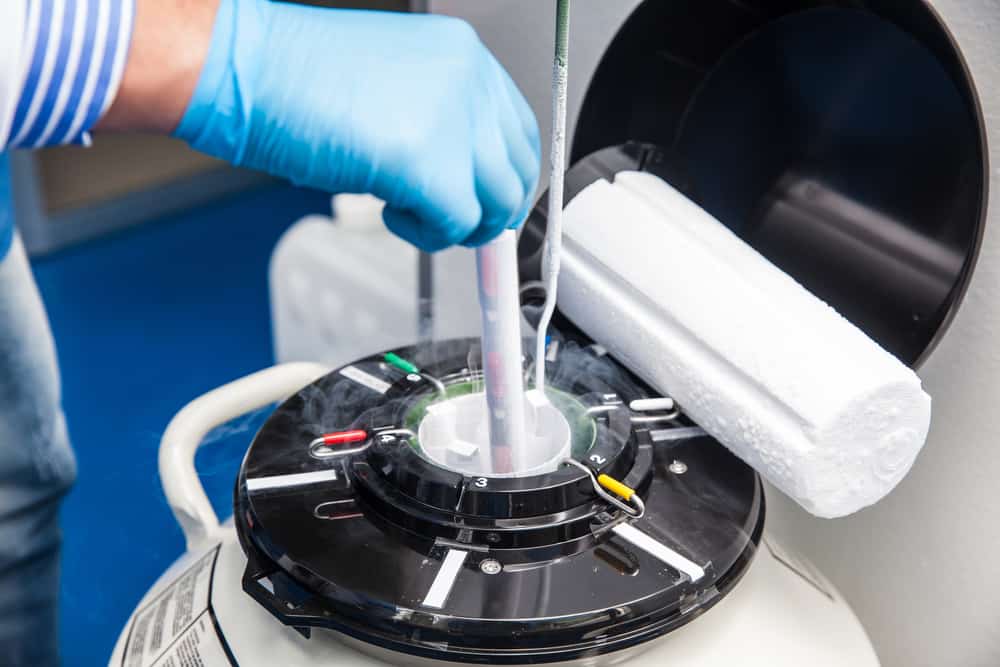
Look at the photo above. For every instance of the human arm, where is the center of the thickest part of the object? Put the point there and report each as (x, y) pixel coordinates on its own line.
(411, 108)
(60, 65)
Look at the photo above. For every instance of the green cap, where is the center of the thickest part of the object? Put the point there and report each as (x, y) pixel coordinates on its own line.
(401, 363)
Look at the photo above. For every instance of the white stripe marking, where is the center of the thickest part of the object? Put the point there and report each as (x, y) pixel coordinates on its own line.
(445, 578)
(658, 550)
(668, 434)
(77, 39)
(32, 33)
(366, 379)
(93, 69)
(282, 481)
(48, 66)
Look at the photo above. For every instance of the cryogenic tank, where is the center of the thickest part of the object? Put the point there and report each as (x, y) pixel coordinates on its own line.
(350, 545)
(379, 556)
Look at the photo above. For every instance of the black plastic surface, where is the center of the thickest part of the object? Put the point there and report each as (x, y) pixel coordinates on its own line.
(842, 139)
(360, 554)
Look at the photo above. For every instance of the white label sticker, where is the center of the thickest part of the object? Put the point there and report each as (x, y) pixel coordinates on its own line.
(366, 379)
(197, 646)
(160, 625)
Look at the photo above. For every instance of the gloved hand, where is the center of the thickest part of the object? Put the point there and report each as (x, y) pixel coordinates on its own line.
(409, 107)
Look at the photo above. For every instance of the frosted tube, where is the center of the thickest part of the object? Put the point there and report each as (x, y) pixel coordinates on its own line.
(557, 157)
(772, 372)
(496, 265)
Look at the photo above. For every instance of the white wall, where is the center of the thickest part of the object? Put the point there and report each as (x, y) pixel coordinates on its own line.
(922, 568)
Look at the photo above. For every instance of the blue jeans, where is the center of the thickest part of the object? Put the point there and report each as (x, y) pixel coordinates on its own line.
(36, 464)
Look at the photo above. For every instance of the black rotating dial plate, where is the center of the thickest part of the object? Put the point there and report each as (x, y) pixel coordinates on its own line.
(389, 548)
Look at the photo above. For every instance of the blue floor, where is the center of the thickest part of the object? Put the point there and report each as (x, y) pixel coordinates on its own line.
(144, 321)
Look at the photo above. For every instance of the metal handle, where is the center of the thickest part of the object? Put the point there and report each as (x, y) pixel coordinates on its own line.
(188, 428)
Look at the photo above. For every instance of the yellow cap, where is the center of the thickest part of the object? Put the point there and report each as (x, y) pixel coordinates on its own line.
(616, 487)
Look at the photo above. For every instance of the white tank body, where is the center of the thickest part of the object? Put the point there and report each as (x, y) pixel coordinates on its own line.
(775, 616)
(781, 613)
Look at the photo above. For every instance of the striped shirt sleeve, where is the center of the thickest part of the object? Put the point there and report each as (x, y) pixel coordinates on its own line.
(73, 55)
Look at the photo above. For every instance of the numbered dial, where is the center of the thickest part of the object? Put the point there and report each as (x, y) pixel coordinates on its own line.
(610, 450)
(384, 545)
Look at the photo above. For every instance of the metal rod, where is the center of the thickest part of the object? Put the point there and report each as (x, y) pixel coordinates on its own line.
(635, 508)
(438, 385)
(425, 297)
(320, 450)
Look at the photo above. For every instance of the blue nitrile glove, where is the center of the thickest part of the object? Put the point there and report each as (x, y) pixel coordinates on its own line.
(409, 107)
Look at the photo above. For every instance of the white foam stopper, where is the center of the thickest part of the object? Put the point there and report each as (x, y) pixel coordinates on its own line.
(791, 387)
(455, 434)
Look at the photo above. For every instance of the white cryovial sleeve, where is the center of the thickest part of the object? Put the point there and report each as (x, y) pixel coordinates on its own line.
(496, 265)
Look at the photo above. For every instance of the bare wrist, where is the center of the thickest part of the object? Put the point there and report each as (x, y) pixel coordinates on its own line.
(170, 42)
